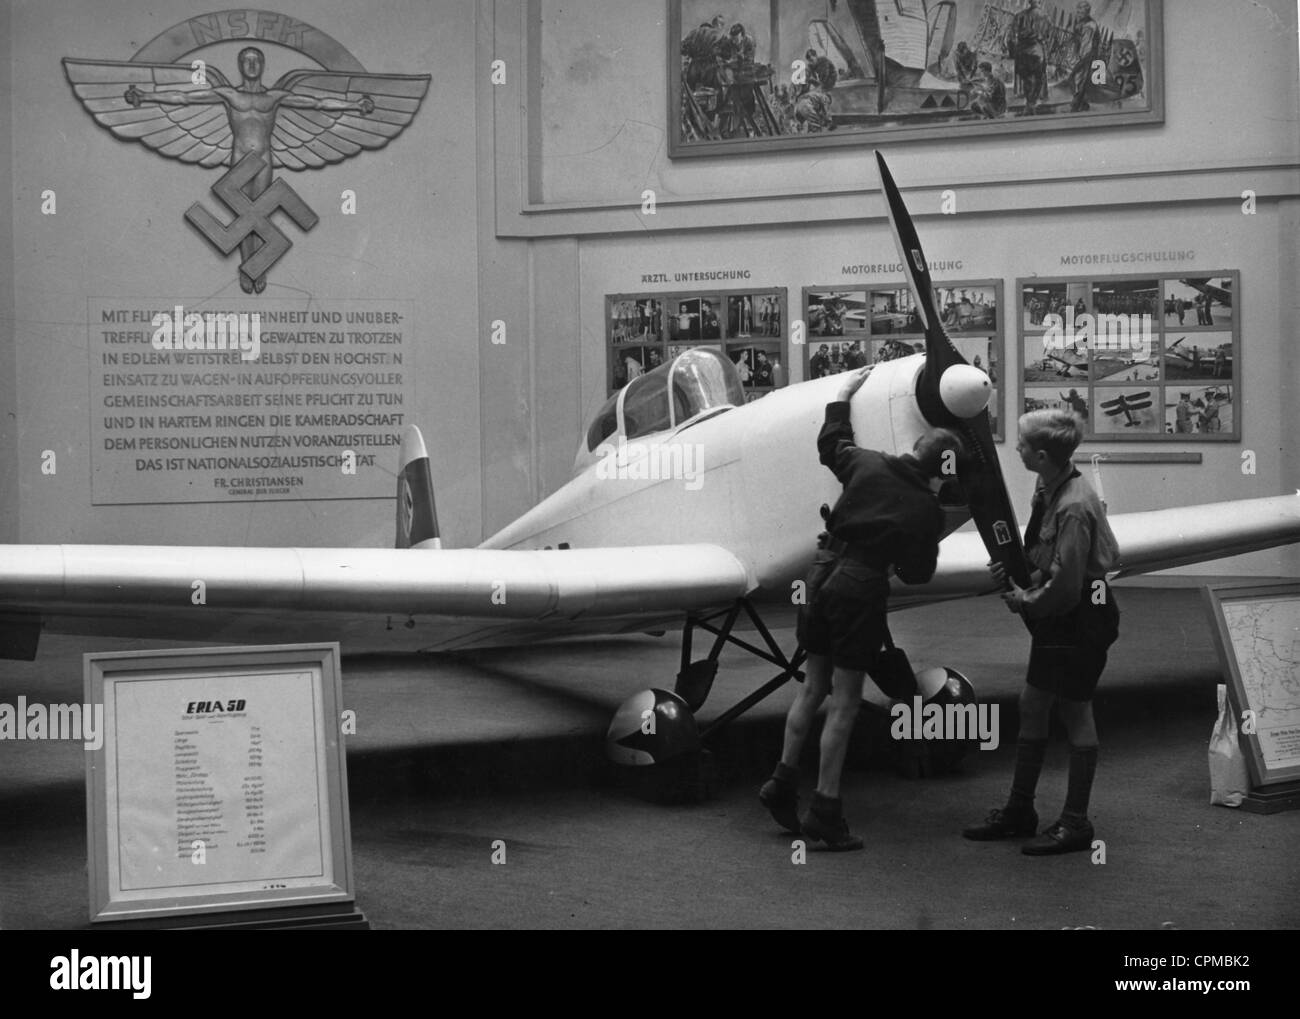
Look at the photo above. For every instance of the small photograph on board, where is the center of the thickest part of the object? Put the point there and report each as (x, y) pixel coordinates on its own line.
(1201, 303)
(1053, 398)
(1047, 362)
(832, 358)
(1128, 411)
(837, 313)
(894, 311)
(967, 308)
(1197, 356)
(1198, 410)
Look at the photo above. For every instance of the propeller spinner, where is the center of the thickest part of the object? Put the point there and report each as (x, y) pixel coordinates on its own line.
(950, 393)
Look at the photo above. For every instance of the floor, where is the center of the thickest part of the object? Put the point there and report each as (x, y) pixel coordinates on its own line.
(460, 758)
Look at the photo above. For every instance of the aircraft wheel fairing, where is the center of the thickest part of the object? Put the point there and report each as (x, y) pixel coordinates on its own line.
(656, 742)
(938, 686)
(916, 758)
(651, 727)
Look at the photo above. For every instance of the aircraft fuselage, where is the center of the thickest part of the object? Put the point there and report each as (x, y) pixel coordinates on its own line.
(750, 480)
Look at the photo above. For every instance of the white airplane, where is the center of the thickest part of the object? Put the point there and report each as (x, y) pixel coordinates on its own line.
(687, 507)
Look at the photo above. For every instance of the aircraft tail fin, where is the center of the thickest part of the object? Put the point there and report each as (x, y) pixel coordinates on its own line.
(417, 518)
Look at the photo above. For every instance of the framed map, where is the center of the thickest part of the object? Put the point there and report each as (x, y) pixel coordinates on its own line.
(1257, 632)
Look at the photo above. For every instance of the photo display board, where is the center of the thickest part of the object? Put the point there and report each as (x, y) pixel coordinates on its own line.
(644, 331)
(1149, 358)
(855, 327)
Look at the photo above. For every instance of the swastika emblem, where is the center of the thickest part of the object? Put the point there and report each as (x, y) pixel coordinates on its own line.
(252, 217)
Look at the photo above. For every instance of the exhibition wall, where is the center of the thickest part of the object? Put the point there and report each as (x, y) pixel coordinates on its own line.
(491, 231)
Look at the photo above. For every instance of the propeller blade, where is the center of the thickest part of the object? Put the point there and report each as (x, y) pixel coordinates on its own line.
(980, 474)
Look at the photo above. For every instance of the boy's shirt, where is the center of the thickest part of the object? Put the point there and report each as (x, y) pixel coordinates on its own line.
(1074, 544)
(887, 507)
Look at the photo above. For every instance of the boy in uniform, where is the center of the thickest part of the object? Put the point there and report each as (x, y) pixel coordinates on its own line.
(1072, 615)
(888, 520)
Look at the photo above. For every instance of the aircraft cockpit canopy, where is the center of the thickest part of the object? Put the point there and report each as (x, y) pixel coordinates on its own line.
(697, 381)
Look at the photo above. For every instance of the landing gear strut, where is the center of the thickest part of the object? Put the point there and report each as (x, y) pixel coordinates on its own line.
(658, 728)
(696, 678)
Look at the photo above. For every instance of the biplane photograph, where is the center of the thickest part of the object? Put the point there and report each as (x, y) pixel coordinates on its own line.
(1124, 409)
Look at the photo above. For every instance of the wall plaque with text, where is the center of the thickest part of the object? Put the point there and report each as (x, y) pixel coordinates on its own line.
(266, 400)
(221, 783)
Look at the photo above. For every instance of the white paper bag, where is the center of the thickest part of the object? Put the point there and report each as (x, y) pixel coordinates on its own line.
(1229, 782)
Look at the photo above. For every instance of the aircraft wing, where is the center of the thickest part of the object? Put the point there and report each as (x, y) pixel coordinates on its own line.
(179, 591)
(1148, 541)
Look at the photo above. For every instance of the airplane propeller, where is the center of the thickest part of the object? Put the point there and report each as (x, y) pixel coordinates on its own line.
(943, 395)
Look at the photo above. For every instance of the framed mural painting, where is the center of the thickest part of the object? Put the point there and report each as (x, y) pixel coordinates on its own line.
(752, 75)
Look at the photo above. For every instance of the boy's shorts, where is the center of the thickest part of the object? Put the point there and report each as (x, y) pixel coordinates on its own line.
(843, 615)
(1068, 652)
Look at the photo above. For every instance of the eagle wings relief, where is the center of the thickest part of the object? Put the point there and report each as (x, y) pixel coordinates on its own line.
(192, 113)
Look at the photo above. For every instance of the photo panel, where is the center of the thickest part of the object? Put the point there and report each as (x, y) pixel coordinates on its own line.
(1125, 297)
(768, 319)
(1198, 302)
(830, 357)
(894, 311)
(684, 320)
(836, 313)
(892, 350)
(629, 363)
(1198, 356)
(752, 315)
(675, 349)
(1042, 362)
(696, 318)
(759, 365)
(966, 308)
(1115, 368)
(1119, 344)
(650, 319)
(624, 321)
(1130, 410)
(1038, 300)
(1053, 398)
(1199, 410)
(743, 359)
